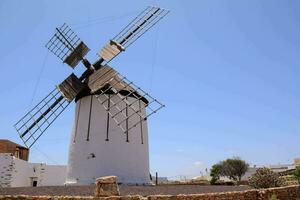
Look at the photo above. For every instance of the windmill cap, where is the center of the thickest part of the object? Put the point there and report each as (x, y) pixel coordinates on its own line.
(107, 80)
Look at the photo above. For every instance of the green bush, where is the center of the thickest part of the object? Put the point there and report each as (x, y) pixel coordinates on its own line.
(297, 174)
(265, 178)
(229, 183)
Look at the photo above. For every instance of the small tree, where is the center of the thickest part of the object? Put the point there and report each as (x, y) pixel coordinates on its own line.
(234, 168)
(215, 173)
(265, 178)
(297, 174)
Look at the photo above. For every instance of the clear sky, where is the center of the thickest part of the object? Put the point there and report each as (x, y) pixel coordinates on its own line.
(228, 72)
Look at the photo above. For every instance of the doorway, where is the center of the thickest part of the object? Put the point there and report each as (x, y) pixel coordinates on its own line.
(34, 181)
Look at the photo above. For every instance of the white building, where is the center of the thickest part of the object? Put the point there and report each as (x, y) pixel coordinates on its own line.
(281, 167)
(15, 172)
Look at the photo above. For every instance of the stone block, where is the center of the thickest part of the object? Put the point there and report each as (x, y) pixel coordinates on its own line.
(107, 186)
(107, 179)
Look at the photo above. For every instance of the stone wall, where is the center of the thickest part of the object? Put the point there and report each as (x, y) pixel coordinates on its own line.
(6, 169)
(245, 195)
(282, 193)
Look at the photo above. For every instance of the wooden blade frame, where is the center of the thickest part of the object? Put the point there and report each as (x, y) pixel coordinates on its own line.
(126, 113)
(70, 87)
(134, 30)
(36, 121)
(111, 50)
(67, 46)
(140, 25)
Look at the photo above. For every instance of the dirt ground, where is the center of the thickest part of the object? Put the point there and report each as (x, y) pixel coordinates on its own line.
(124, 190)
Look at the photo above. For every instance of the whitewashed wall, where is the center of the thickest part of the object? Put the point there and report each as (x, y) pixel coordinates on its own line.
(18, 173)
(127, 160)
(55, 175)
(21, 173)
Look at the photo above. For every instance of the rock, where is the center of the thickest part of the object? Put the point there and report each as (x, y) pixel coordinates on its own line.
(107, 186)
(107, 179)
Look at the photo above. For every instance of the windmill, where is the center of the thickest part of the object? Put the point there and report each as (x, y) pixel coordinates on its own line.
(109, 134)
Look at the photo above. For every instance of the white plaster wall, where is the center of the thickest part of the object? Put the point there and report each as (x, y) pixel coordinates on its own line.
(20, 172)
(127, 160)
(54, 175)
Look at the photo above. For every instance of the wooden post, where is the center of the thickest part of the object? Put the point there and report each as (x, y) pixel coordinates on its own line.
(156, 177)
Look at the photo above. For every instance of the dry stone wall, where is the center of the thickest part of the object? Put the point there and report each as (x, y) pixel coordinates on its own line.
(282, 193)
(6, 170)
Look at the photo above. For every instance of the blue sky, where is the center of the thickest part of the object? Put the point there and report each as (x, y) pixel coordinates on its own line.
(227, 71)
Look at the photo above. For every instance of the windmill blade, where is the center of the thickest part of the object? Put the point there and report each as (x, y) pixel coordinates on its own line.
(67, 46)
(36, 121)
(134, 30)
(122, 99)
(140, 25)
(71, 87)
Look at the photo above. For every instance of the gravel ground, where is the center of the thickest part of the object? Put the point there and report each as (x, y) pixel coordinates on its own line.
(124, 190)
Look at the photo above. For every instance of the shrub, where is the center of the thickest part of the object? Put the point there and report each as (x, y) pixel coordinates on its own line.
(222, 182)
(297, 174)
(265, 178)
(229, 183)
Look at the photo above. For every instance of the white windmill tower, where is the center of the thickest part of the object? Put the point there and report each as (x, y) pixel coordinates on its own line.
(109, 135)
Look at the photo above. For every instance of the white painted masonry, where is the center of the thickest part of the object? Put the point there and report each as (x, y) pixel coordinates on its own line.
(91, 155)
(15, 172)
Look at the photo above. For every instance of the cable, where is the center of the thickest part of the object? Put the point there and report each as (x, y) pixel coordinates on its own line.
(33, 96)
(101, 20)
(154, 58)
(45, 155)
(39, 79)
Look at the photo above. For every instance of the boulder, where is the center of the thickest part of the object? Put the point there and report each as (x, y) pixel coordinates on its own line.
(107, 186)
